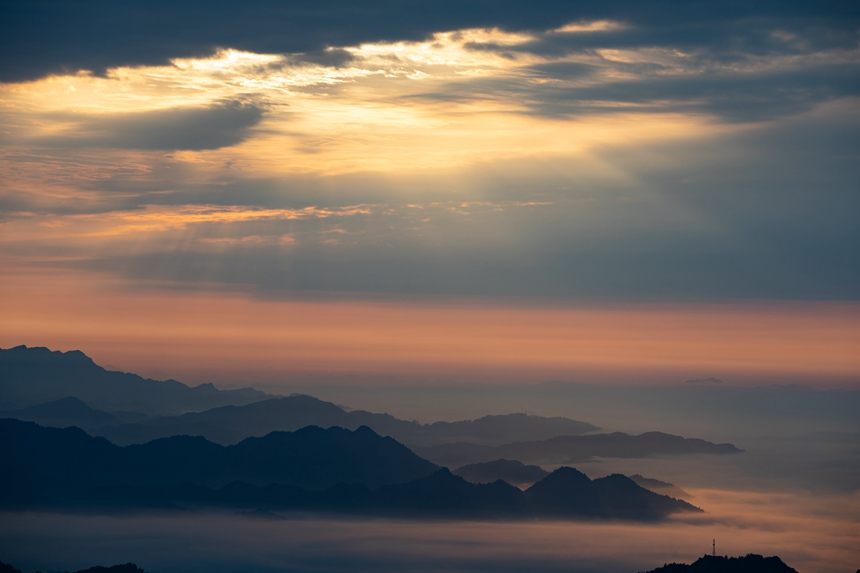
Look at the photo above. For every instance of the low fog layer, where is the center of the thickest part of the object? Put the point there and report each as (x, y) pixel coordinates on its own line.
(812, 534)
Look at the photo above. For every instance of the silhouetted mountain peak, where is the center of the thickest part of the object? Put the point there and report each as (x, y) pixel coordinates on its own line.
(564, 476)
(619, 480)
(366, 430)
(24, 353)
(567, 491)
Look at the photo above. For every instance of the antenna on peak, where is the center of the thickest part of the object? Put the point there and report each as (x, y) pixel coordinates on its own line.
(714, 547)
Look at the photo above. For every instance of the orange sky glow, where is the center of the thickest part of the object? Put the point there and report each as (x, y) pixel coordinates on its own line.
(224, 336)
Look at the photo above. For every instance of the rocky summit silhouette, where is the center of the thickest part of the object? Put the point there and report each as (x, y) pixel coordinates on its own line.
(37, 375)
(719, 564)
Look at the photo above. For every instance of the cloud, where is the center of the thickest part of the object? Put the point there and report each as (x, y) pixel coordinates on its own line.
(599, 151)
(183, 128)
(41, 37)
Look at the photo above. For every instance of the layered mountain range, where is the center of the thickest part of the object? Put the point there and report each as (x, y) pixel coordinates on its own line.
(312, 469)
(79, 436)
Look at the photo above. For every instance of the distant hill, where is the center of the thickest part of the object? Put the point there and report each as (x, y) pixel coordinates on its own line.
(511, 471)
(573, 449)
(313, 469)
(230, 424)
(567, 492)
(506, 428)
(64, 412)
(31, 376)
(523, 476)
(717, 564)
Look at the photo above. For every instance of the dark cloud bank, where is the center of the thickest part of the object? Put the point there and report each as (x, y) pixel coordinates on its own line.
(41, 37)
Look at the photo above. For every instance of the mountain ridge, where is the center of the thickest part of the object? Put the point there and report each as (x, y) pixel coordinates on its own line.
(35, 375)
(314, 469)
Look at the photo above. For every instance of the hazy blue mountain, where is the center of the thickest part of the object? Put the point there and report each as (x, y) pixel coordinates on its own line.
(512, 471)
(30, 376)
(230, 424)
(501, 429)
(572, 449)
(65, 412)
(718, 564)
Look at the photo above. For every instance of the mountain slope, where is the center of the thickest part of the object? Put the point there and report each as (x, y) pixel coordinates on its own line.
(37, 375)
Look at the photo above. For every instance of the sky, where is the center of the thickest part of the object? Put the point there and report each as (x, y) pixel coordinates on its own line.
(613, 191)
